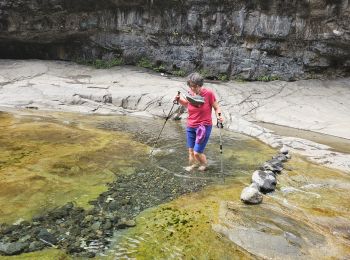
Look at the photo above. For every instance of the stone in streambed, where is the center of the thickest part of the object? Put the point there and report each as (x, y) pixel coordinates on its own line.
(124, 223)
(251, 194)
(45, 235)
(273, 165)
(281, 157)
(12, 248)
(284, 150)
(35, 246)
(265, 180)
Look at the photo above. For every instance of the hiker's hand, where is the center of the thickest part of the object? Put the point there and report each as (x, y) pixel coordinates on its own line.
(220, 118)
(176, 99)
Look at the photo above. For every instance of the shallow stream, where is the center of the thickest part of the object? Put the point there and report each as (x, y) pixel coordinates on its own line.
(48, 159)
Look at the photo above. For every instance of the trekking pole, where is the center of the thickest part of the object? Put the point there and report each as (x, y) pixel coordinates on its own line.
(220, 126)
(175, 102)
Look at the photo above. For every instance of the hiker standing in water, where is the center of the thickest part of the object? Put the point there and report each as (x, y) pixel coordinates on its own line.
(199, 103)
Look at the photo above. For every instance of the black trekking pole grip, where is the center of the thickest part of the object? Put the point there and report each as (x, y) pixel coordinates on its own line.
(176, 101)
(219, 124)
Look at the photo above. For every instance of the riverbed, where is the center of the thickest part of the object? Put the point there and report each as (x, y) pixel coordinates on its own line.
(49, 159)
(84, 139)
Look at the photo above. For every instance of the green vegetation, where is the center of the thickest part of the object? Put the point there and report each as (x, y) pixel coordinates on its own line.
(145, 63)
(312, 75)
(160, 68)
(102, 64)
(223, 77)
(148, 64)
(267, 78)
(179, 73)
(205, 73)
(239, 78)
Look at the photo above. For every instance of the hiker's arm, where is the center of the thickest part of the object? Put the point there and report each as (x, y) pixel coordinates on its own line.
(181, 100)
(218, 111)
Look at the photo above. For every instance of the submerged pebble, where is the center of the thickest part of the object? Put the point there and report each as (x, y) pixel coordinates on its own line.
(85, 233)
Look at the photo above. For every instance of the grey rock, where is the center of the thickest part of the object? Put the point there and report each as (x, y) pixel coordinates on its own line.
(96, 225)
(275, 168)
(281, 157)
(238, 39)
(124, 223)
(47, 236)
(107, 225)
(251, 194)
(284, 150)
(12, 248)
(35, 246)
(265, 180)
(114, 205)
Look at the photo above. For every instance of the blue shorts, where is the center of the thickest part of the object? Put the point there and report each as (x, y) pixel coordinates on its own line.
(191, 138)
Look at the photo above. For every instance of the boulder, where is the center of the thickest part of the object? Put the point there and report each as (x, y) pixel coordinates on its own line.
(284, 150)
(47, 236)
(281, 157)
(251, 194)
(265, 180)
(267, 166)
(12, 248)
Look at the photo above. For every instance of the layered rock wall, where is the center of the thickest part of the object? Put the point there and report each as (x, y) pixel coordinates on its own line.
(250, 39)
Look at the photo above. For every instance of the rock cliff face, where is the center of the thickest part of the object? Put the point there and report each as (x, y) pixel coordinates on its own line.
(251, 39)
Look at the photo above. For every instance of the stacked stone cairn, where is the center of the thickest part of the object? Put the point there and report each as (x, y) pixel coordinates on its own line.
(264, 180)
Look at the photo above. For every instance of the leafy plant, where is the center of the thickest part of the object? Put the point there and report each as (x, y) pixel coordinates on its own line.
(116, 62)
(312, 75)
(267, 78)
(205, 73)
(223, 77)
(239, 78)
(102, 64)
(160, 68)
(145, 63)
(179, 73)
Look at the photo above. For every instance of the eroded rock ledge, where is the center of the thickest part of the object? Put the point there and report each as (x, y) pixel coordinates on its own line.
(258, 40)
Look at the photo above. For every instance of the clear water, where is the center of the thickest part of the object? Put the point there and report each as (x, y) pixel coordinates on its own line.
(48, 159)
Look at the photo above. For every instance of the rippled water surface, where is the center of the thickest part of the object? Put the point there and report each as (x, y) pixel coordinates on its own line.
(48, 159)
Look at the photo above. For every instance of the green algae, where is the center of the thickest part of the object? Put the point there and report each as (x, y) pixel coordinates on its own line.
(318, 197)
(182, 229)
(247, 154)
(46, 164)
(323, 190)
(73, 160)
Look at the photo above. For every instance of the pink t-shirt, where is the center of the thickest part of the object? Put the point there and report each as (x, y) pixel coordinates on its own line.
(201, 115)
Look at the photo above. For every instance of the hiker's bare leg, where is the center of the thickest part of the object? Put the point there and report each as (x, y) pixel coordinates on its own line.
(191, 160)
(202, 159)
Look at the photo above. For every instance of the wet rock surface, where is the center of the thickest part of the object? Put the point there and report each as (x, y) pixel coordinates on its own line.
(87, 232)
(77, 88)
(271, 233)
